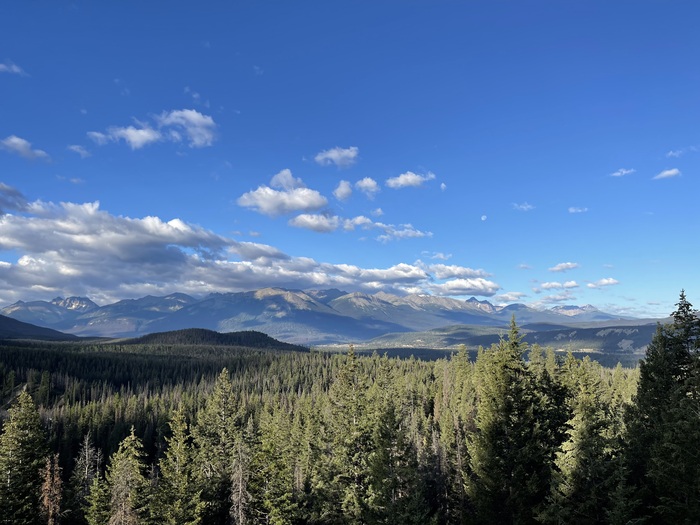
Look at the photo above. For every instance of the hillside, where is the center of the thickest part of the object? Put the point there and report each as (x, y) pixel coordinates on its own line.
(14, 329)
(203, 337)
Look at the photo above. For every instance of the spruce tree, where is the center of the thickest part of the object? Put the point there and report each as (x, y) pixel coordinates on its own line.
(510, 453)
(127, 484)
(23, 453)
(178, 499)
(663, 429)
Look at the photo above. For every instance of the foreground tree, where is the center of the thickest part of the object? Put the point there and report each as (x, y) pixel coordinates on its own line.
(22, 455)
(511, 453)
(127, 485)
(662, 458)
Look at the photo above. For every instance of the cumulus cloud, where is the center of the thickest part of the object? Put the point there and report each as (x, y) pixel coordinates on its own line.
(325, 223)
(608, 281)
(409, 179)
(562, 267)
(80, 150)
(509, 297)
(444, 271)
(438, 255)
(368, 186)
(667, 174)
(9, 67)
(183, 125)
(574, 209)
(343, 190)
(198, 128)
(316, 222)
(341, 157)
(22, 147)
(462, 287)
(559, 286)
(622, 172)
(443, 186)
(81, 249)
(523, 207)
(292, 197)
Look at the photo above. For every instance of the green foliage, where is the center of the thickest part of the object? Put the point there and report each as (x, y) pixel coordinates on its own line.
(22, 455)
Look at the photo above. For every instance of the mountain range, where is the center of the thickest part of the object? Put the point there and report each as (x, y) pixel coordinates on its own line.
(313, 317)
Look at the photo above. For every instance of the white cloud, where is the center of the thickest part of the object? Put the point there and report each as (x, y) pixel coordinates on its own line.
(341, 157)
(523, 207)
(271, 202)
(343, 191)
(286, 181)
(574, 209)
(461, 287)
(608, 281)
(316, 222)
(559, 286)
(562, 267)
(682, 151)
(666, 174)
(622, 172)
(183, 125)
(443, 186)
(80, 249)
(377, 212)
(438, 255)
(22, 147)
(9, 67)
(402, 231)
(199, 128)
(80, 150)
(409, 179)
(368, 186)
(483, 218)
(509, 297)
(444, 271)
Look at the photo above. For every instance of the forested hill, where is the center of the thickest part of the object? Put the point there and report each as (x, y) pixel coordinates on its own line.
(201, 336)
(14, 329)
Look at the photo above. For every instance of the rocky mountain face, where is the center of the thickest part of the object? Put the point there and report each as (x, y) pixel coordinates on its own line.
(303, 317)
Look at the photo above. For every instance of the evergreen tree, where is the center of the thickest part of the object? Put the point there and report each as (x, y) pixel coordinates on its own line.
(582, 481)
(663, 427)
(510, 453)
(216, 436)
(97, 503)
(87, 466)
(22, 455)
(177, 500)
(127, 485)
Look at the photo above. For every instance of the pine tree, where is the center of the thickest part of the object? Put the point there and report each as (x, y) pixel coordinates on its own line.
(511, 453)
(87, 466)
(127, 484)
(178, 499)
(216, 436)
(663, 428)
(22, 455)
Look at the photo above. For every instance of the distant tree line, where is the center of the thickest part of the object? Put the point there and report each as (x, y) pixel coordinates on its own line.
(159, 434)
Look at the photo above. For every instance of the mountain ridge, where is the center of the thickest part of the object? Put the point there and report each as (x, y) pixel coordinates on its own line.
(297, 316)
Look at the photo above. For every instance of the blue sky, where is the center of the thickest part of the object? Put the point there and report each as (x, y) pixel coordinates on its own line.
(537, 152)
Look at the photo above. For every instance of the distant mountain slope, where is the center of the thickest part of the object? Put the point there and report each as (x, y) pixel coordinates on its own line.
(200, 336)
(14, 329)
(304, 317)
(607, 339)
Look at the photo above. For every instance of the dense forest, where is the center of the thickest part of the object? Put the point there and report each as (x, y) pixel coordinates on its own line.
(161, 432)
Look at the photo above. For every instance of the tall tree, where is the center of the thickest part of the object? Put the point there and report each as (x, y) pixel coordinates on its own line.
(23, 453)
(51, 490)
(178, 499)
(510, 453)
(663, 427)
(128, 487)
